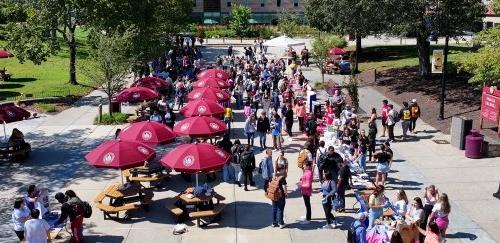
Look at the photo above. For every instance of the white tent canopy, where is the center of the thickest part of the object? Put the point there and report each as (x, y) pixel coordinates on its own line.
(283, 41)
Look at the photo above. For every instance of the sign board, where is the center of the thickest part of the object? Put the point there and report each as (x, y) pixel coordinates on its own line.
(437, 61)
(490, 106)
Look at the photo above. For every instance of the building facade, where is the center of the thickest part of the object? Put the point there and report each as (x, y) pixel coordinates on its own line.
(263, 11)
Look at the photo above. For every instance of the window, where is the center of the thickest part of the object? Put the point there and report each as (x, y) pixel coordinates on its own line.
(229, 4)
(262, 3)
(194, 3)
(296, 3)
(278, 3)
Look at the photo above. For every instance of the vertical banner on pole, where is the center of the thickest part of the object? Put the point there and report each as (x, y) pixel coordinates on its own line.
(437, 61)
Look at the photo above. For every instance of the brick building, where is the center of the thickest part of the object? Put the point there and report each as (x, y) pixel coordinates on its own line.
(263, 11)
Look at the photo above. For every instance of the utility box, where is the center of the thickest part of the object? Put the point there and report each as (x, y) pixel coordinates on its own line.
(460, 128)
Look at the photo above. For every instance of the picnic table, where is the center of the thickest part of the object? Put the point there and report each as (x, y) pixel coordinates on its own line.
(150, 174)
(126, 197)
(14, 151)
(203, 205)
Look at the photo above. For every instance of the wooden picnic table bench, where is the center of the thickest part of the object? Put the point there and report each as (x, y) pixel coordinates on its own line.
(108, 209)
(172, 208)
(16, 152)
(126, 199)
(213, 214)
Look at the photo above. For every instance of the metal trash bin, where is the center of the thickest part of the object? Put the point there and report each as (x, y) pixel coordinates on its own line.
(473, 143)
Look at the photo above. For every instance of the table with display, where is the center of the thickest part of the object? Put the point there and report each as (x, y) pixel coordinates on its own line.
(202, 205)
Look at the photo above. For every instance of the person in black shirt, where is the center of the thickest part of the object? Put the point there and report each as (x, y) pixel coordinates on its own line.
(247, 163)
(330, 163)
(289, 119)
(363, 142)
(343, 183)
(72, 207)
(263, 128)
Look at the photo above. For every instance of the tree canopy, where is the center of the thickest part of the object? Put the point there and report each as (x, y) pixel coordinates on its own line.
(321, 46)
(239, 20)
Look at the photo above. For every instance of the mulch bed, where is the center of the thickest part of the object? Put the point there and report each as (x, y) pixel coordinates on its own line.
(61, 104)
(404, 84)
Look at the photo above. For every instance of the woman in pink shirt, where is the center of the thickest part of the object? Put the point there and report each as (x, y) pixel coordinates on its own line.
(432, 234)
(300, 110)
(306, 190)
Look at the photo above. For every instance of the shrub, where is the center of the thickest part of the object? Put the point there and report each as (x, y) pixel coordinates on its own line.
(49, 108)
(117, 118)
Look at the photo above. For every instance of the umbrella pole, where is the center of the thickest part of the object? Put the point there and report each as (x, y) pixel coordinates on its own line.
(121, 176)
(4, 132)
(196, 179)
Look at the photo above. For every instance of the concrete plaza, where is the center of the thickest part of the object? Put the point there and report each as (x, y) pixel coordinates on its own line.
(61, 141)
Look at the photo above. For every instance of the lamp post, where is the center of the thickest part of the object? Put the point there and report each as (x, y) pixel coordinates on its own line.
(443, 78)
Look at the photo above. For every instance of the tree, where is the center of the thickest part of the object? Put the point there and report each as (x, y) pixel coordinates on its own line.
(421, 18)
(111, 62)
(484, 64)
(321, 46)
(495, 4)
(49, 18)
(288, 23)
(155, 21)
(239, 20)
(360, 18)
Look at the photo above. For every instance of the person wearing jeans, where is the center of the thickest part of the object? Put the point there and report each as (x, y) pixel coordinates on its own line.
(250, 130)
(306, 190)
(405, 114)
(267, 168)
(376, 205)
(343, 183)
(279, 205)
(391, 122)
(328, 189)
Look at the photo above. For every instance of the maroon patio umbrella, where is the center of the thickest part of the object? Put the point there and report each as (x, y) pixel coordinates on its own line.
(5, 54)
(337, 51)
(151, 83)
(119, 154)
(211, 82)
(214, 73)
(200, 126)
(202, 107)
(12, 113)
(136, 94)
(195, 158)
(148, 132)
(209, 93)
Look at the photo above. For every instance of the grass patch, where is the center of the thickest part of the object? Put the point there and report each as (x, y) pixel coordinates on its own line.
(48, 108)
(116, 119)
(390, 57)
(51, 77)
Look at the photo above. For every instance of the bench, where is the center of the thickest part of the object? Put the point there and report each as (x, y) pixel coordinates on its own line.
(126, 174)
(108, 209)
(100, 197)
(172, 208)
(214, 214)
(16, 152)
(219, 197)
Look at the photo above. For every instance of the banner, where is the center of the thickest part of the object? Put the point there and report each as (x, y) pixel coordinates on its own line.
(437, 61)
(490, 105)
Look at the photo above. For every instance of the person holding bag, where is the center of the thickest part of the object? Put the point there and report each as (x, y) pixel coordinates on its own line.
(306, 191)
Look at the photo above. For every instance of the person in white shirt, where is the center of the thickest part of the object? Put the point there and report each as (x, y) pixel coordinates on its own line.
(415, 212)
(400, 206)
(391, 122)
(20, 214)
(36, 230)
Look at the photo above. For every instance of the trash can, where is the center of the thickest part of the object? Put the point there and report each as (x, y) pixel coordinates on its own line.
(473, 143)
(116, 107)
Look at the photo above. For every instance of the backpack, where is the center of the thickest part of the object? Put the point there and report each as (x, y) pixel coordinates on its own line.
(311, 126)
(245, 160)
(406, 114)
(87, 209)
(301, 160)
(260, 166)
(397, 117)
(321, 160)
(273, 190)
(235, 150)
(414, 111)
(351, 233)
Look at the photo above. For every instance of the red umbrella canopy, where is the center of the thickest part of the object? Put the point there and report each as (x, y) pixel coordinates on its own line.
(120, 154)
(214, 73)
(202, 107)
(5, 54)
(200, 126)
(211, 82)
(136, 94)
(195, 157)
(151, 83)
(337, 51)
(209, 93)
(148, 132)
(12, 113)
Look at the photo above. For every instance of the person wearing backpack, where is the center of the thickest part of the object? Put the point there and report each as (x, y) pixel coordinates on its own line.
(328, 189)
(247, 163)
(305, 156)
(357, 231)
(321, 154)
(277, 192)
(405, 116)
(415, 114)
(236, 150)
(311, 126)
(73, 208)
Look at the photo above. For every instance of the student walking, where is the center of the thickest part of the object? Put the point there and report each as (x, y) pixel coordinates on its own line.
(328, 189)
(306, 191)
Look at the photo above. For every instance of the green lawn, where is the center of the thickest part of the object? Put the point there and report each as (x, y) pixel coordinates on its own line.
(49, 78)
(389, 57)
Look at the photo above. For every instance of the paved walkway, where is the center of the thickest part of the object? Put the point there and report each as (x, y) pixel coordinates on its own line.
(61, 141)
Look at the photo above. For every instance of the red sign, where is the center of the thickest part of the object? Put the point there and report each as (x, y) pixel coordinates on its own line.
(490, 105)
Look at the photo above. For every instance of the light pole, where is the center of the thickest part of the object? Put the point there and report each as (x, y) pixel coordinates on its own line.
(443, 78)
